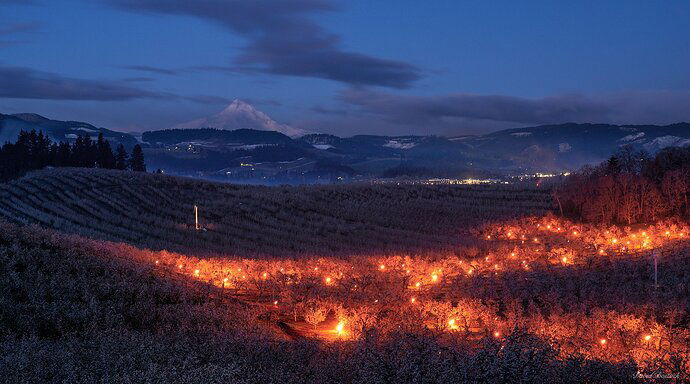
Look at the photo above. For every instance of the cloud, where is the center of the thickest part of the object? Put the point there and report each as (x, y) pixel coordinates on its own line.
(625, 108)
(26, 83)
(150, 69)
(20, 28)
(137, 79)
(208, 99)
(17, 28)
(18, 2)
(9, 43)
(283, 40)
(430, 109)
(367, 111)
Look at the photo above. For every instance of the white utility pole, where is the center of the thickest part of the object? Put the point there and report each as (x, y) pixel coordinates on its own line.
(196, 217)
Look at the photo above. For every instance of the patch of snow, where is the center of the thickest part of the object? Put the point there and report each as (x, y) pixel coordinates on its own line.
(521, 134)
(632, 137)
(399, 144)
(460, 138)
(86, 129)
(322, 146)
(564, 147)
(253, 146)
(666, 141)
(70, 136)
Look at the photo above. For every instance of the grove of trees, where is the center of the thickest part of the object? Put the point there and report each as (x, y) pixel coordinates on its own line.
(76, 310)
(630, 188)
(157, 211)
(35, 150)
(421, 290)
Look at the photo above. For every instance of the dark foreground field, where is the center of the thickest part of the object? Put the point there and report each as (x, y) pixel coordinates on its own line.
(429, 284)
(74, 310)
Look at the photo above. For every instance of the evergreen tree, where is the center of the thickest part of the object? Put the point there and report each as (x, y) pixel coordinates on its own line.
(63, 155)
(35, 150)
(121, 158)
(137, 161)
(105, 157)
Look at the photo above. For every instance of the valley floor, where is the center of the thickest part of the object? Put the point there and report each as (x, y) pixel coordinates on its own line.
(328, 284)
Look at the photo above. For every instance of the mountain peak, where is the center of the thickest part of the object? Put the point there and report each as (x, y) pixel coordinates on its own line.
(238, 104)
(241, 115)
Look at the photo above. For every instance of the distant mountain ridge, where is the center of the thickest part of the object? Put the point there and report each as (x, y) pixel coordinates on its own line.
(11, 125)
(556, 147)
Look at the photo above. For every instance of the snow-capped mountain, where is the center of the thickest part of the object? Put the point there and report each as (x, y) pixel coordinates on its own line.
(241, 115)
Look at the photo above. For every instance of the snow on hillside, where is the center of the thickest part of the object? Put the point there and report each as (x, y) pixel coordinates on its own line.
(632, 137)
(665, 141)
(400, 144)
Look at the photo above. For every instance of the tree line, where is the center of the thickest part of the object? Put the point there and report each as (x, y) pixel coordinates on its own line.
(35, 150)
(630, 187)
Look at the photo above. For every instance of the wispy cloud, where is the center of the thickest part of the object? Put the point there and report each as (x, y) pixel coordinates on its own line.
(283, 40)
(18, 2)
(208, 99)
(429, 109)
(26, 83)
(459, 113)
(25, 27)
(152, 69)
(9, 31)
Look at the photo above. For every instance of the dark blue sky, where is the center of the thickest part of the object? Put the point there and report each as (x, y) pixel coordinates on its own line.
(346, 67)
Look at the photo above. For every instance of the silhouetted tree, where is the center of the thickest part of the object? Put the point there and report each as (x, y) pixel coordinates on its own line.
(137, 161)
(34, 150)
(121, 158)
(105, 158)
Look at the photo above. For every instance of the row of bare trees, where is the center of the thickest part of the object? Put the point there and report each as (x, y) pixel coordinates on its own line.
(631, 187)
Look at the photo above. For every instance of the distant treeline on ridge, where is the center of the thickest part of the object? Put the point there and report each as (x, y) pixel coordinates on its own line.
(34, 150)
